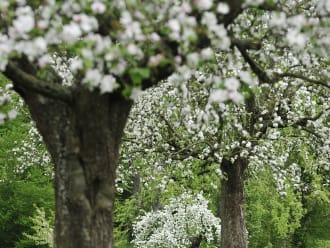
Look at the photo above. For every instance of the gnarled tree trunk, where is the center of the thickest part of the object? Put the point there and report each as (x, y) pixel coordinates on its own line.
(83, 138)
(233, 230)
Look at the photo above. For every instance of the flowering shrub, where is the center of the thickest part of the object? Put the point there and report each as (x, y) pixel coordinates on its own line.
(42, 227)
(31, 152)
(186, 219)
(6, 111)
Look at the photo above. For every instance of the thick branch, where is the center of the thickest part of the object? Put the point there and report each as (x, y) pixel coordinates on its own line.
(308, 130)
(261, 74)
(269, 6)
(246, 44)
(179, 150)
(302, 123)
(235, 7)
(307, 79)
(28, 82)
(243, 46)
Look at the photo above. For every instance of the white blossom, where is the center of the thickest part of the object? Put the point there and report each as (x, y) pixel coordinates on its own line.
(71, 33)
(12, 114)
(207, 53)
(232, 84)
(24, 22)
(203, 4)
(218, 96)
(98, 7)
(2, 118)
(175, 26)
(223, 8)
(296, 39)
(107, 84)
(93, 76)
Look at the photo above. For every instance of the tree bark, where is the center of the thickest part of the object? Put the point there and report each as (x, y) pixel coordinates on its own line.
(196, 242)
(233, 230)
(83, 138)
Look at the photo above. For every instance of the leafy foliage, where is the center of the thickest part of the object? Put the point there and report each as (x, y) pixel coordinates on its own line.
(271, 222)
(16, 206)
(43, 228)
(25, 181)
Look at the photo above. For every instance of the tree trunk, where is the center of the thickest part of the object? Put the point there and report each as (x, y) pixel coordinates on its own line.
(196, 242)
(83, 139)
(233, 230)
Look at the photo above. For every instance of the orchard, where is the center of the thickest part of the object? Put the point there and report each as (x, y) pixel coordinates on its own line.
(212, 94)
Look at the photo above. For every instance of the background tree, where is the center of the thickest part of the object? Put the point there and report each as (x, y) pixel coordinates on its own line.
(181, 142)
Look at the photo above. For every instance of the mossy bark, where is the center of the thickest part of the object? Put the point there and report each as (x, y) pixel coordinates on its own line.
(83, 138)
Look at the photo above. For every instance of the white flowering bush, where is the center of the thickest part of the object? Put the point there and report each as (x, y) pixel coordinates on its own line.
(42, 228)
(7, 112)
(26, 144)
(185, 220)
(31, 152)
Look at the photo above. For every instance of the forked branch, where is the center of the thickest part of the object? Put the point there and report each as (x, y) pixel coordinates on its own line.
(27, 82)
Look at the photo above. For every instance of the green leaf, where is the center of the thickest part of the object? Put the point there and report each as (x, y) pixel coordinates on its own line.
(138, 74)
(127, 91)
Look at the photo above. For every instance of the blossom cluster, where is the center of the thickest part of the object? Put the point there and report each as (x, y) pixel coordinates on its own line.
(109, 42)
(111, 46)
